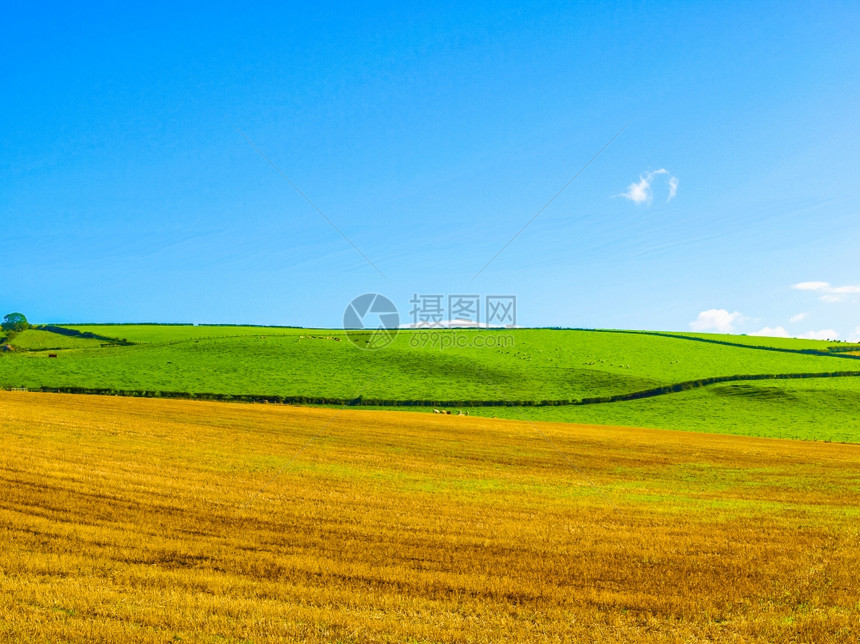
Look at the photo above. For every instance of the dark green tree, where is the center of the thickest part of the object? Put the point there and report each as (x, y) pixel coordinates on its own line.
(14, 323)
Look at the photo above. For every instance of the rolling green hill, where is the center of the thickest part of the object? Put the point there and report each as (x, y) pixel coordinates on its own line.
(504, 368)
(166, 333)
(38, 340)
(825, 409)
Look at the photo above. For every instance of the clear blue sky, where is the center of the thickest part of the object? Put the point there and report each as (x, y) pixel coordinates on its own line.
(430, 134)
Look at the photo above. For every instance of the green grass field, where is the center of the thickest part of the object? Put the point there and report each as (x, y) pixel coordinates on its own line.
(780, 343)
(36, 340)
(160, 333)
(826, 409)
(506, 366)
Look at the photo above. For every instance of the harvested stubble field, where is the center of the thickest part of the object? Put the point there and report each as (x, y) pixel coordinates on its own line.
(154, 520)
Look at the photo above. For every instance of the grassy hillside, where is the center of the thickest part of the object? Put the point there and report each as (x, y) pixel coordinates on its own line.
(151, 521)
(539, 364)
(163, 333)
(36, 340)
(808, 409)
(507, 367)
(782, 343)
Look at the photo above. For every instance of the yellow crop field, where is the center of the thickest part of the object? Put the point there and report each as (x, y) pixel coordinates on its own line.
(143, 520)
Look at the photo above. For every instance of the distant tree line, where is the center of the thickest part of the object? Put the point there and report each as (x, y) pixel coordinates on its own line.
(15, 323)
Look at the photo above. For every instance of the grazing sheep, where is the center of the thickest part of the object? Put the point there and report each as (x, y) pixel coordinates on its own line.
(436, 411)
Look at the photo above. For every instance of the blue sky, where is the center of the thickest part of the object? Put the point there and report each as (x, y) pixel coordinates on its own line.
(430, 134)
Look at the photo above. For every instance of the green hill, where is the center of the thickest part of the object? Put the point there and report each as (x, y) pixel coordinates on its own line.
(38, 340)
(825, 409)
(502, 368)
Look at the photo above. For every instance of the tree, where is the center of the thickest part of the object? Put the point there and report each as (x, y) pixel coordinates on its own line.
(15, 322)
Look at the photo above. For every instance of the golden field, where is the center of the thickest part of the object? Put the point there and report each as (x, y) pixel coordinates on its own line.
(155, 521)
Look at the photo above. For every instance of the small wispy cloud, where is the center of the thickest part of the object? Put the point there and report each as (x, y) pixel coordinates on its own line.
(719, 320)
(641, 192)
(824, 334)
(798, 317)
(779, 332)
(811, 286)
(673, 188)
(828, 293)
(452, 324)
(776, 332)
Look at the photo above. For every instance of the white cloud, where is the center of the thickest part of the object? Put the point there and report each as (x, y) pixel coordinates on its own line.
(828, 293)
(811, 286)
(640, 192)
(824, 334)
(453, 324)
(777, 332)
(798, 317)
(673, 188)
(719, 320)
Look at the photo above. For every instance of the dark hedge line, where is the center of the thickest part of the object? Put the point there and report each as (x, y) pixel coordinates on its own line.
(361, 401)
(843, 348)
(125, 324)
(704, 382)
(832, 351)
(73, 333)
(262, 326)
